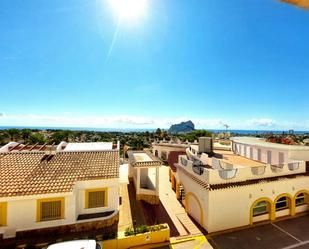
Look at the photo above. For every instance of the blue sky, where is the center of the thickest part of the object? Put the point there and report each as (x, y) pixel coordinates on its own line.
(240, 62)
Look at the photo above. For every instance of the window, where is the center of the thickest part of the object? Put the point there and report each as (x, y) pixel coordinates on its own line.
(300, 200)
(261, 208)
(50, 209)
(3, 211)
(96, 198)
(282, 203)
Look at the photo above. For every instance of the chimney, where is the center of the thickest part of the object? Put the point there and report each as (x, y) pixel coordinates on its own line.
(205, 145)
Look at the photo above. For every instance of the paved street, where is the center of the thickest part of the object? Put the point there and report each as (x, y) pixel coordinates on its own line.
(284, 234)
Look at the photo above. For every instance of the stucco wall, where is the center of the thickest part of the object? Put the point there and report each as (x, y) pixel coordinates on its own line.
(245, 150)
(230, 207)
(192, 190)
(22, 211)
(113, 195)
(167, 149)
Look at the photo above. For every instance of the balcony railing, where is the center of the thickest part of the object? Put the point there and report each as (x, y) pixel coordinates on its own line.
(277, 168)
(198, 169)
(293, 166)
(260, 170)
(184, 161)
(227, 174)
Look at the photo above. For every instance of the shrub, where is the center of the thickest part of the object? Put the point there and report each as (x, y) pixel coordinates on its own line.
(144, 229)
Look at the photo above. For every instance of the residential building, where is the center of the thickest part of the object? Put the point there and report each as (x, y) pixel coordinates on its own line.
(144, 173)
(162, 149)
(53, 189)
(252, 182)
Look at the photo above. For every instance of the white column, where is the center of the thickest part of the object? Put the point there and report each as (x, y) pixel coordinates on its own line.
(138, 180)
(157, 180)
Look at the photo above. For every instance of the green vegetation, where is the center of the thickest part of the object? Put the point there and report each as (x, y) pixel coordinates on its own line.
(194, 135)
(143, 229)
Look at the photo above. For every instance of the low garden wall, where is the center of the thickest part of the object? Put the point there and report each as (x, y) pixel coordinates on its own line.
(144, 235)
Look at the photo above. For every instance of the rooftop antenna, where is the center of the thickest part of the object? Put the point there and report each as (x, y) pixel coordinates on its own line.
(226, 127)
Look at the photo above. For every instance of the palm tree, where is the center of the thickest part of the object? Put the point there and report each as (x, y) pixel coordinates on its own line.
(13, 134)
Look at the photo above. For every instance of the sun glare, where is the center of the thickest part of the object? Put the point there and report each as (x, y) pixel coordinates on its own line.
(129, 9)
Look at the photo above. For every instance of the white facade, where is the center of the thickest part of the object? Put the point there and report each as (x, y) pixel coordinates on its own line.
(22, 210)
(271, 153)
(221, 193)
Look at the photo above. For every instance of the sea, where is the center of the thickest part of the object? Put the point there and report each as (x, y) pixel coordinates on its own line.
(235, 132)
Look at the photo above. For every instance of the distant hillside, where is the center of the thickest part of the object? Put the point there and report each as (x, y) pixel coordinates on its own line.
(183, 127)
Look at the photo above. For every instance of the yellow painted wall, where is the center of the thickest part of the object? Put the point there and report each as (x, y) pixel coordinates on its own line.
(231, 207)
(124, 242)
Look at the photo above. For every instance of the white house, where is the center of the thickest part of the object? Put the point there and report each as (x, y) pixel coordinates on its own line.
(45, 190)
(255, 181)
(144, 172)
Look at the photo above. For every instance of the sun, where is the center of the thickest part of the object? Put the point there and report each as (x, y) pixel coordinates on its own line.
(129, 9)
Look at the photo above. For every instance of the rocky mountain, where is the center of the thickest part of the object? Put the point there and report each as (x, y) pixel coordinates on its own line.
(183, 127)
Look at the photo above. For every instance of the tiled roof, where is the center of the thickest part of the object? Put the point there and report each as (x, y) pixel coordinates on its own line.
(149, 160)
(30, 173)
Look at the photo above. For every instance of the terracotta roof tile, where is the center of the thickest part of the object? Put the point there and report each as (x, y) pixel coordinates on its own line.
(29, 173)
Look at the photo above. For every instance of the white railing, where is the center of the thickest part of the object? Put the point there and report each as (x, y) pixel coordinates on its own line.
(259, 170)
(184, 161)
(223, 172)
(293, 166)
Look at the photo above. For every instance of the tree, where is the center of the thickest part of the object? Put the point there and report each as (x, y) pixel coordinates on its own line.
(60, 136)
(13, 134)
(25, 133)
(158, 132)
(36, 138)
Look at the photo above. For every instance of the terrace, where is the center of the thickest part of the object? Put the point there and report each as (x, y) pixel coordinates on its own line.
(226, 167)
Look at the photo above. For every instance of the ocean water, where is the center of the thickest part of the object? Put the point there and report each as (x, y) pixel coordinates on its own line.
(236, 132)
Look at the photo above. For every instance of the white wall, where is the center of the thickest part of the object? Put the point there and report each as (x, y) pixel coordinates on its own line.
(113, 195)
(230, 207)
(21, 211)
(297, 154)
(202, 195)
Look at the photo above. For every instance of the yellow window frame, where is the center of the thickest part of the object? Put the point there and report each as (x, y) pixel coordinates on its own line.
(87, 191)
(39, 206)
(3, 214)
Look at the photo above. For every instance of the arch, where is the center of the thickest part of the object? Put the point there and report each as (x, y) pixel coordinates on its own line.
(270, 208)
(306, 199)
(290, 204)
(190, 194)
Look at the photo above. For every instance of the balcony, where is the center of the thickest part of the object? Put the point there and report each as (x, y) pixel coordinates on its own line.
(220, 171)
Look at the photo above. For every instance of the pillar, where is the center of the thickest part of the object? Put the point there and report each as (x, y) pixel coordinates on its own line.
(157, 180)
(138, 180)
(178, 190)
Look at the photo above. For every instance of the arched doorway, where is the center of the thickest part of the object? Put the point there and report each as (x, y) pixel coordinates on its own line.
(283, 205)
(301, 201)
(194, 207)
(261, 210)
(156, 153)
